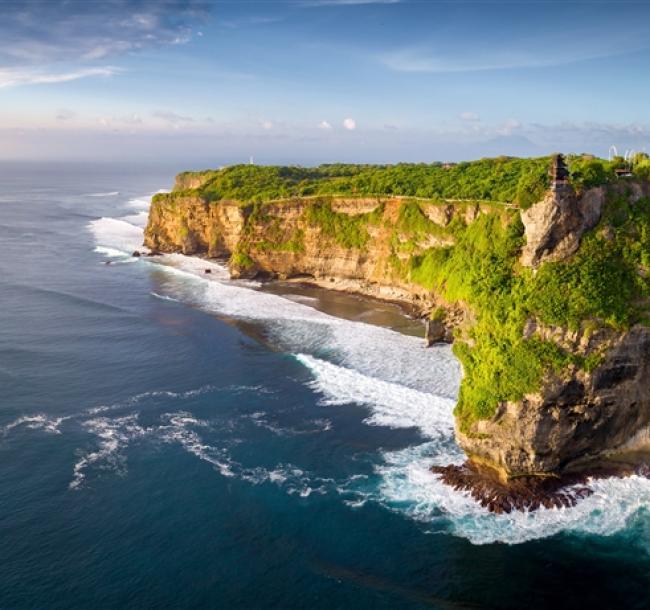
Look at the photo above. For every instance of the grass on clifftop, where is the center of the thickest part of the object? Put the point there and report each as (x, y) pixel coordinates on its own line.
(487, 179)
(500, 179)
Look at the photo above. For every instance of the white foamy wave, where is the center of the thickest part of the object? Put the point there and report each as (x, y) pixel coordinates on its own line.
(36, 422)
(109, 194)
(299, 328)
(116, 234)
(193, 268)
(111, 252)
(139, 203)
(408, 487)
(391, 404)
(313, 427)
(178, 431)
(113, 435)
(163, 297)
(290, 478)
(139, 220)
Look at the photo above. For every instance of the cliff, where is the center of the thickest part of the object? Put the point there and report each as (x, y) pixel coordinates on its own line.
(549, 306)
(358, 243)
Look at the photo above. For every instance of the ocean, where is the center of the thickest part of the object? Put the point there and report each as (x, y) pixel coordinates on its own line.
(171, 438)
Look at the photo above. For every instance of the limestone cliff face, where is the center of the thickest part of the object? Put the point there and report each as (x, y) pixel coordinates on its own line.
(555, 225)
(281, 242)
(576, 416)
(189, 224)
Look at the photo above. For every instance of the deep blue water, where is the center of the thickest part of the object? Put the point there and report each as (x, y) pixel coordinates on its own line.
(170, 439)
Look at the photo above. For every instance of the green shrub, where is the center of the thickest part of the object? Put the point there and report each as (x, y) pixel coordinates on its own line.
(349, 231)
(531, 188)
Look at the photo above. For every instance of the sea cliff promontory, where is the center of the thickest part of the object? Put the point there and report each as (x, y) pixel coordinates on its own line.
(541, 281)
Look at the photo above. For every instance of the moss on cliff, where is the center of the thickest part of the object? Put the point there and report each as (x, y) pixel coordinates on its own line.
(349, 231)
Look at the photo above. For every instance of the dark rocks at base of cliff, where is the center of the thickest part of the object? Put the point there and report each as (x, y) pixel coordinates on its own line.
(530, 493)
(436, 331)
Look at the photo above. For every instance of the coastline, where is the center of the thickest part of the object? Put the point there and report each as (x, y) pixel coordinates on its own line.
(350, 299)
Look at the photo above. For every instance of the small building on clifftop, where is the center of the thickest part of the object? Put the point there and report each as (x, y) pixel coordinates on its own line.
(559, 173)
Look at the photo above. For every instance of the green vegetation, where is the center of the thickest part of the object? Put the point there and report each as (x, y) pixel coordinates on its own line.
(605, 283)
(501, 179)
(349, 231)
(487, 179)
(241, 259)
(531, 187)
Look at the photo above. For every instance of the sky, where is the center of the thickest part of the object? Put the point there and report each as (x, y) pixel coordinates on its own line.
(312, 81)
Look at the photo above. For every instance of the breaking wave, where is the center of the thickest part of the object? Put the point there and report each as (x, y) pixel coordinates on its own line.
(109, 194)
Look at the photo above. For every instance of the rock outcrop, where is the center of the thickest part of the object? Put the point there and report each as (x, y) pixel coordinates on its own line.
(555, 225)
(282, 243)
(577, 416)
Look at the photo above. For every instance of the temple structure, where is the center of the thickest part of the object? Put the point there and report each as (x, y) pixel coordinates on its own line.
(559, 173)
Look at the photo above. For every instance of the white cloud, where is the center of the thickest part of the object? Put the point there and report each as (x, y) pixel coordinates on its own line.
(266, 125)
(350, 124)
(172, 118)
(324, 125)
(469, 116)
(14, 77)
(508, 127)
(39, 32)
(64, 114)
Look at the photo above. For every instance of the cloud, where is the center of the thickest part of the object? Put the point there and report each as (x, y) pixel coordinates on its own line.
(497, 49)
(469, 116)
(350, 124)
(172, 118)
(266, 125)
(40, 32)
(118, 123)
(13, 77)
(65, 114)
(508, 127)
(324, 125)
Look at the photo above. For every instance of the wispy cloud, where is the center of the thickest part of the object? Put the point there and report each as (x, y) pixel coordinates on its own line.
(65, 114)
(47, 31)
(15, 77)
(172, 118)
(567, 46)
(349, 124)
(469, 116)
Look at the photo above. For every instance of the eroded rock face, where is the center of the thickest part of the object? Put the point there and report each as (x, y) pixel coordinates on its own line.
(576, 416)
(186, 223)
(555, 225)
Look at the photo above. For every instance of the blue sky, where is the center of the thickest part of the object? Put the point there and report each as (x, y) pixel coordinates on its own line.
(311, 81)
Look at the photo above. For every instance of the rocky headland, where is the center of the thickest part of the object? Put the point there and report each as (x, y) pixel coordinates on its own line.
(544, 293)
